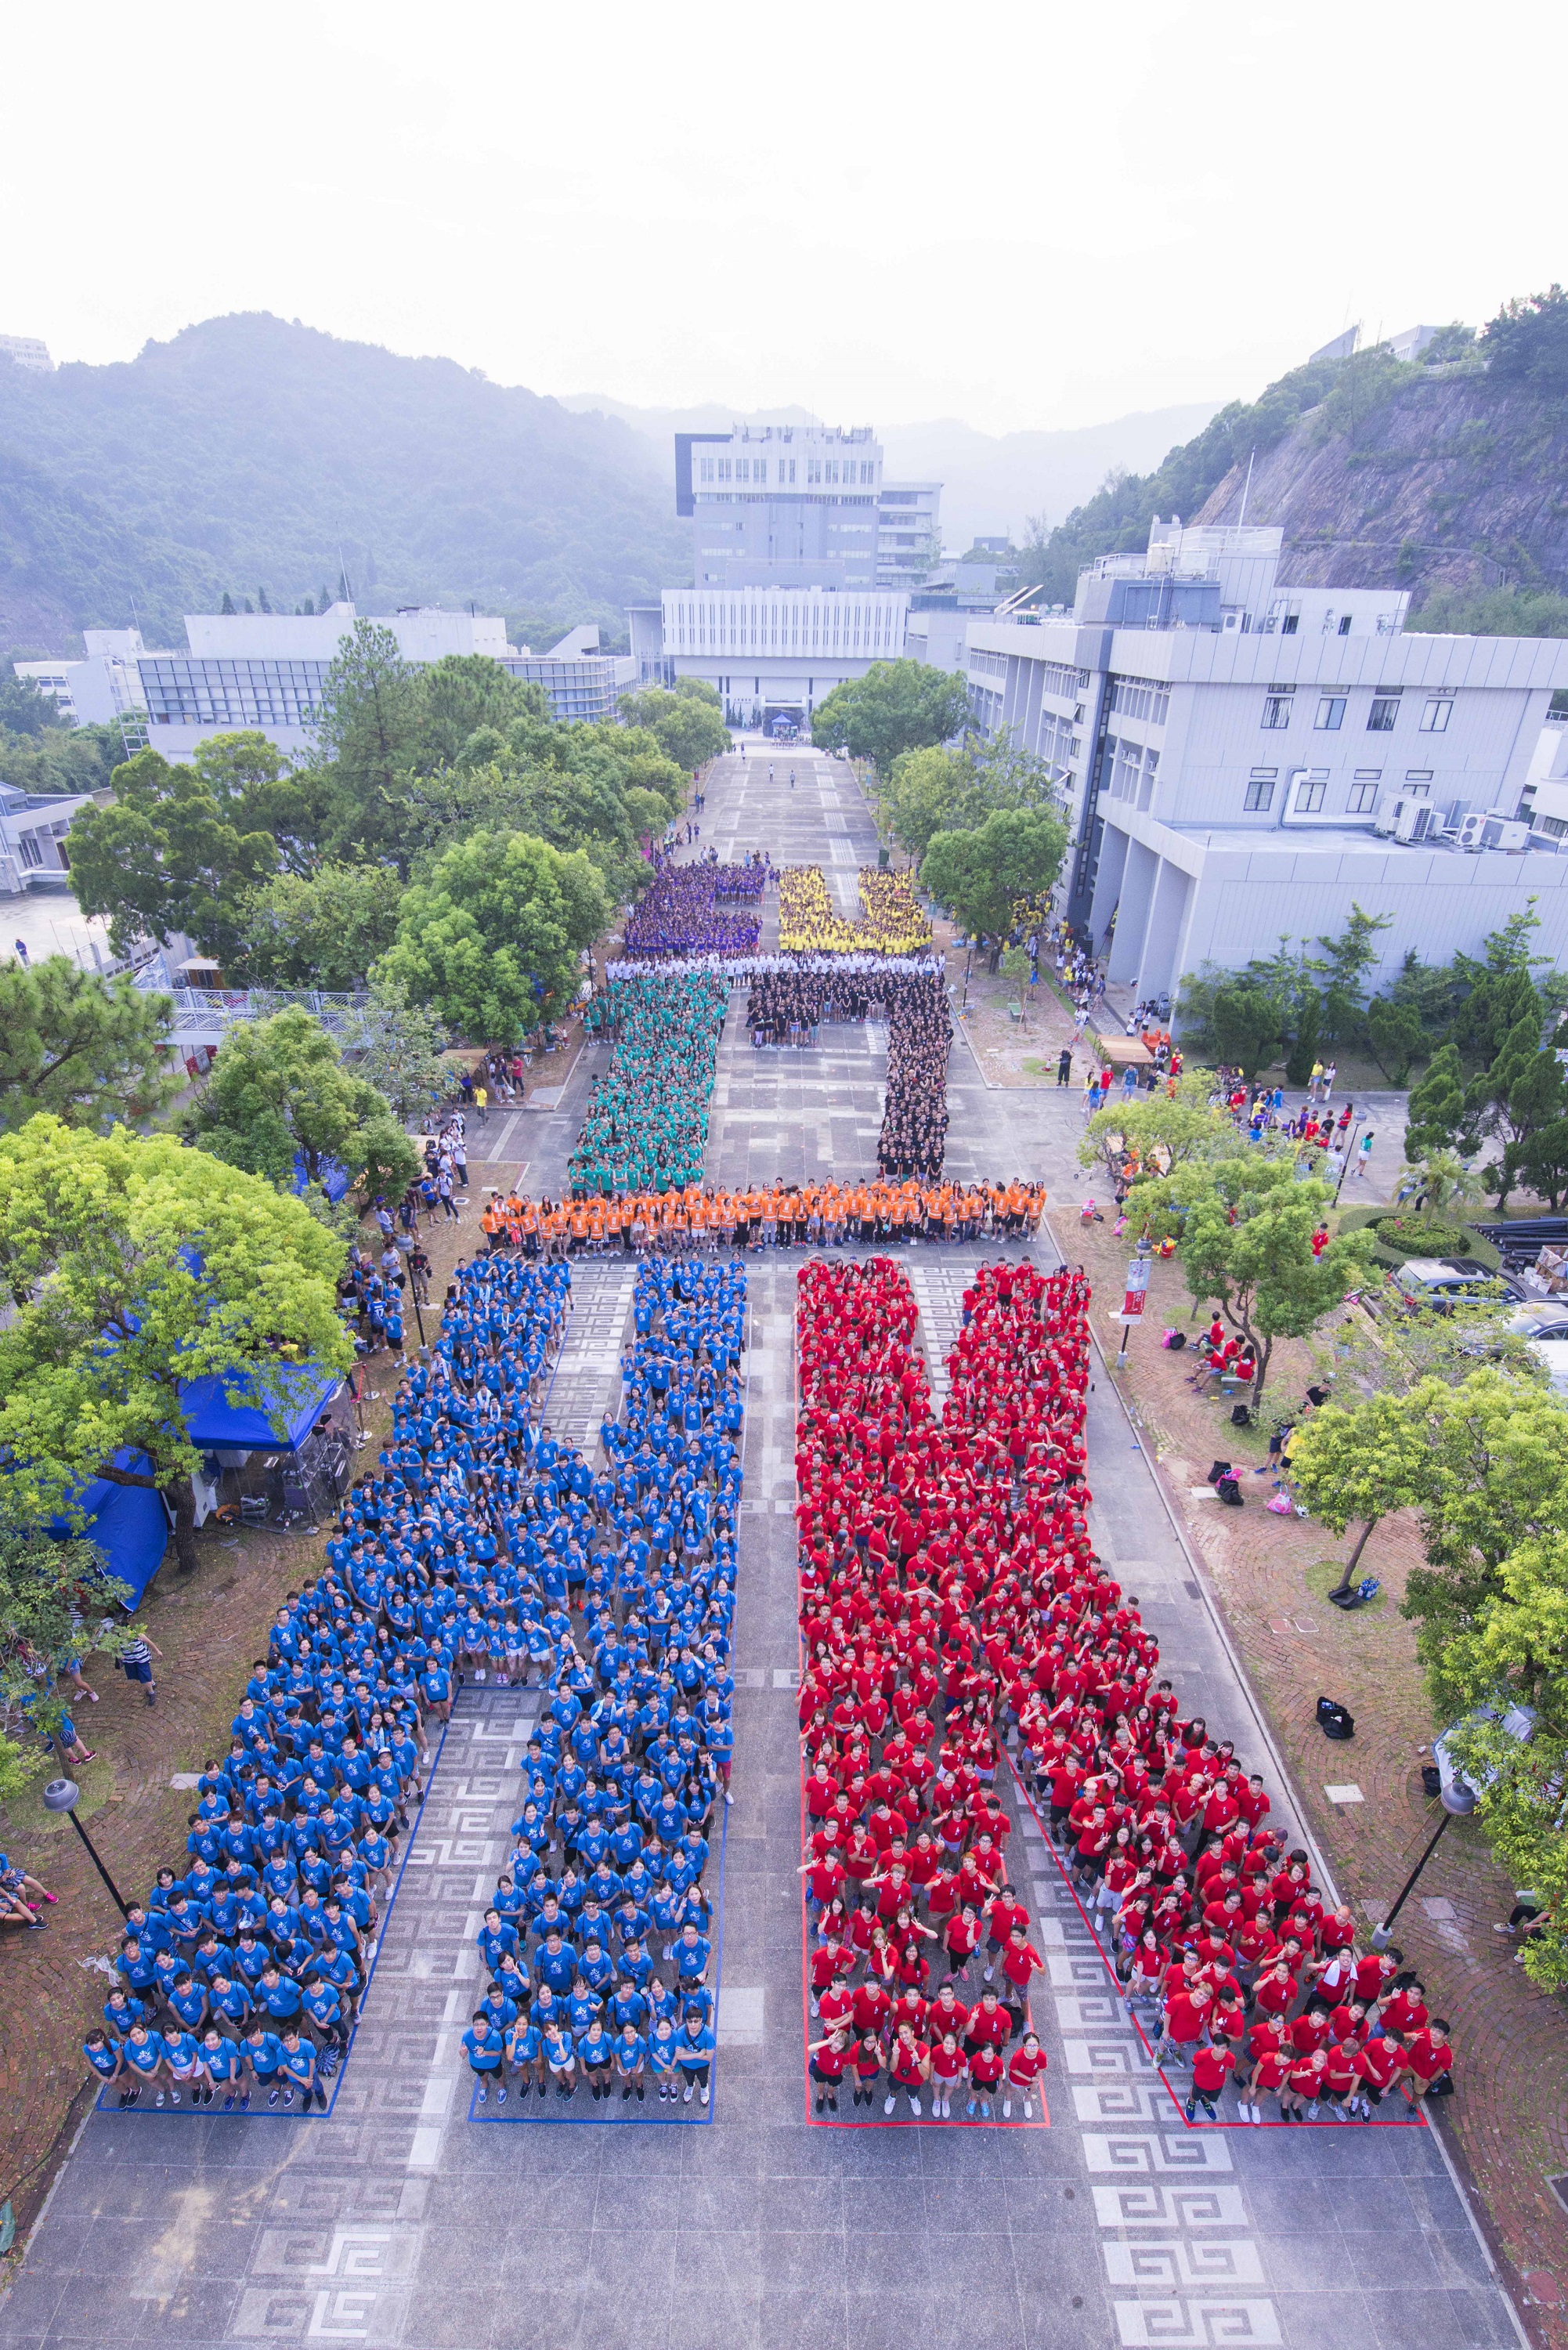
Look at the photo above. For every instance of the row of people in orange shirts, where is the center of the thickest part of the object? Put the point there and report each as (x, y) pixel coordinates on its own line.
(765, 1214)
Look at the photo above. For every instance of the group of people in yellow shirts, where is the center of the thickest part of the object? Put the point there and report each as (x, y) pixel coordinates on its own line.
(809, 922)
(782, 1215)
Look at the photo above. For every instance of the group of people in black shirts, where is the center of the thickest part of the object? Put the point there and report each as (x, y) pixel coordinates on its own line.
(786, 1007)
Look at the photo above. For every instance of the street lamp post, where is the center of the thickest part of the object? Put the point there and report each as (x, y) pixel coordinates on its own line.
(1458, 1801)
(1349, 1147)
(1136, 1291)
(62, 1796)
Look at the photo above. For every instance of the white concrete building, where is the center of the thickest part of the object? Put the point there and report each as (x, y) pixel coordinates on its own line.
(771, 652)
(908, 532)
(33, 828)
(266, 671)
(26, 351)
(1230, 776)
(789, 504)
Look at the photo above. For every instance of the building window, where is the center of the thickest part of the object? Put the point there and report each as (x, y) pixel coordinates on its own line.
(1260, 795)
(1384, 711)
(724, 468)
(1363, 799)
(705, 469)
(1330, 713)
(1555, 827)
(813, 469)
(1276, 713)
(1290, 624)
(1435, 716)
(1345, 624)
(1308, 798)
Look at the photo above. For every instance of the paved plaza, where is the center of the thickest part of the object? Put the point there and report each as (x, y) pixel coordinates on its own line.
(401, 2219)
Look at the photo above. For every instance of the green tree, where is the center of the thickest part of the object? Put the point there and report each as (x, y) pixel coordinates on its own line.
(1497, 992)
(896, 706)
(1397, 1037)
(1527, 343)
(687, 728)
(1016, 853)
(697, 689)
(492, 938)
(1165, 1133)
(1543, 1162)
(167, 857)
(321, 930)
(1344, 966)
(87, 1049)
(1358, 1465)
(369, 742)
(400, 1047)
(278, 1093)
(1246, 1028)
(1521, 1094)
(941, 789)
(1303, 1050)
(455, 696)
(1243, 1229)
(1436, 1112)
(135, 1266)
(51, 1589)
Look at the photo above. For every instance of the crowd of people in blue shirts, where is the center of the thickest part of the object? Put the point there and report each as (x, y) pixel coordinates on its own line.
(599, 1940)
(479, 1546)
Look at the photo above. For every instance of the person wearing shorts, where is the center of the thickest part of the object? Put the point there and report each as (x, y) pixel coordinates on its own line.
(263, 2052)
(695, 2049)
(222, 2065)
(829, 2058)
(909, 2068)
(1024, 2067)
(867, 2066)
(136, 1663)
(182, 2056)
(630, 2063)
(299, 2068)
(985, 2070)
(526, 2055)
(104, 2061)
(142, 2052)
(485, 2050)
(661, 2060)
(949, 2068)
(561, 2059)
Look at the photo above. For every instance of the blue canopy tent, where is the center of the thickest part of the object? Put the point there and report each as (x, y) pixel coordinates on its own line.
(335, 1179)
(216, 1425)
(129, 1523)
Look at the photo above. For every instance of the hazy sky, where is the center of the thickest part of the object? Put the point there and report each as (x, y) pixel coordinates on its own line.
(1022, 215)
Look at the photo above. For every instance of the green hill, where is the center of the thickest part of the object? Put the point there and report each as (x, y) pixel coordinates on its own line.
(249, 454)
(1443, 476)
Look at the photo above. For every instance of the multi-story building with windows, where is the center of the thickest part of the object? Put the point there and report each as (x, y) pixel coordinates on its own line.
(781, 504)
(266, 671)
(908, 532)
(771, 652)
(1239, 761)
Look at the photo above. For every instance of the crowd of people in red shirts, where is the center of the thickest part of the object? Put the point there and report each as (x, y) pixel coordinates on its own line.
(950, 1600)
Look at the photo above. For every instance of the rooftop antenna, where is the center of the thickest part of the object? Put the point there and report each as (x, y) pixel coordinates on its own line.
(1246, 490)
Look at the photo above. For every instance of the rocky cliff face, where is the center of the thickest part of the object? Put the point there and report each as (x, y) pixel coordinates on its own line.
(1445, 481)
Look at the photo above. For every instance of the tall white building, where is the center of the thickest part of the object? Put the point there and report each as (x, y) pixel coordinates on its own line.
(1241, 760)
(781, 504)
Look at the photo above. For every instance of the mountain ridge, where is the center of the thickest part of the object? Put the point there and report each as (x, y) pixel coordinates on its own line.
(247, 452)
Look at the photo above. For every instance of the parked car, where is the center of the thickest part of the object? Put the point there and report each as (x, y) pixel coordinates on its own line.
(1545, 1329)
(1441, 1281)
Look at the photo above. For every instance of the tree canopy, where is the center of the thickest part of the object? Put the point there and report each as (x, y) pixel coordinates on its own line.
(1244, 1227)
(278, 1091)
(953, 789)
(56, 1598)
(492, 940)
(688, 728)
(90, 1050)
(981, 875)
(896, 706)
(323, 929)
(177, 851)
(133, 1267)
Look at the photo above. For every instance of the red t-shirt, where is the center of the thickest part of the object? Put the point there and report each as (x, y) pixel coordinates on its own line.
(993, 2026)
(1210, 2067)
(985, 2068)
(1026, 2066)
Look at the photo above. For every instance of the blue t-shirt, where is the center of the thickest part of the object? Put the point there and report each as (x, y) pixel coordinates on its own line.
(485, 2047)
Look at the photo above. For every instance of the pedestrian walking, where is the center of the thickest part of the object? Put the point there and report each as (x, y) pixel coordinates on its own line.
(1065, 1065)
(1363, 1154)
(136, 1663)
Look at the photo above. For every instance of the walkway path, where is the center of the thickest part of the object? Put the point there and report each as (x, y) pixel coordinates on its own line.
(397, 2222)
